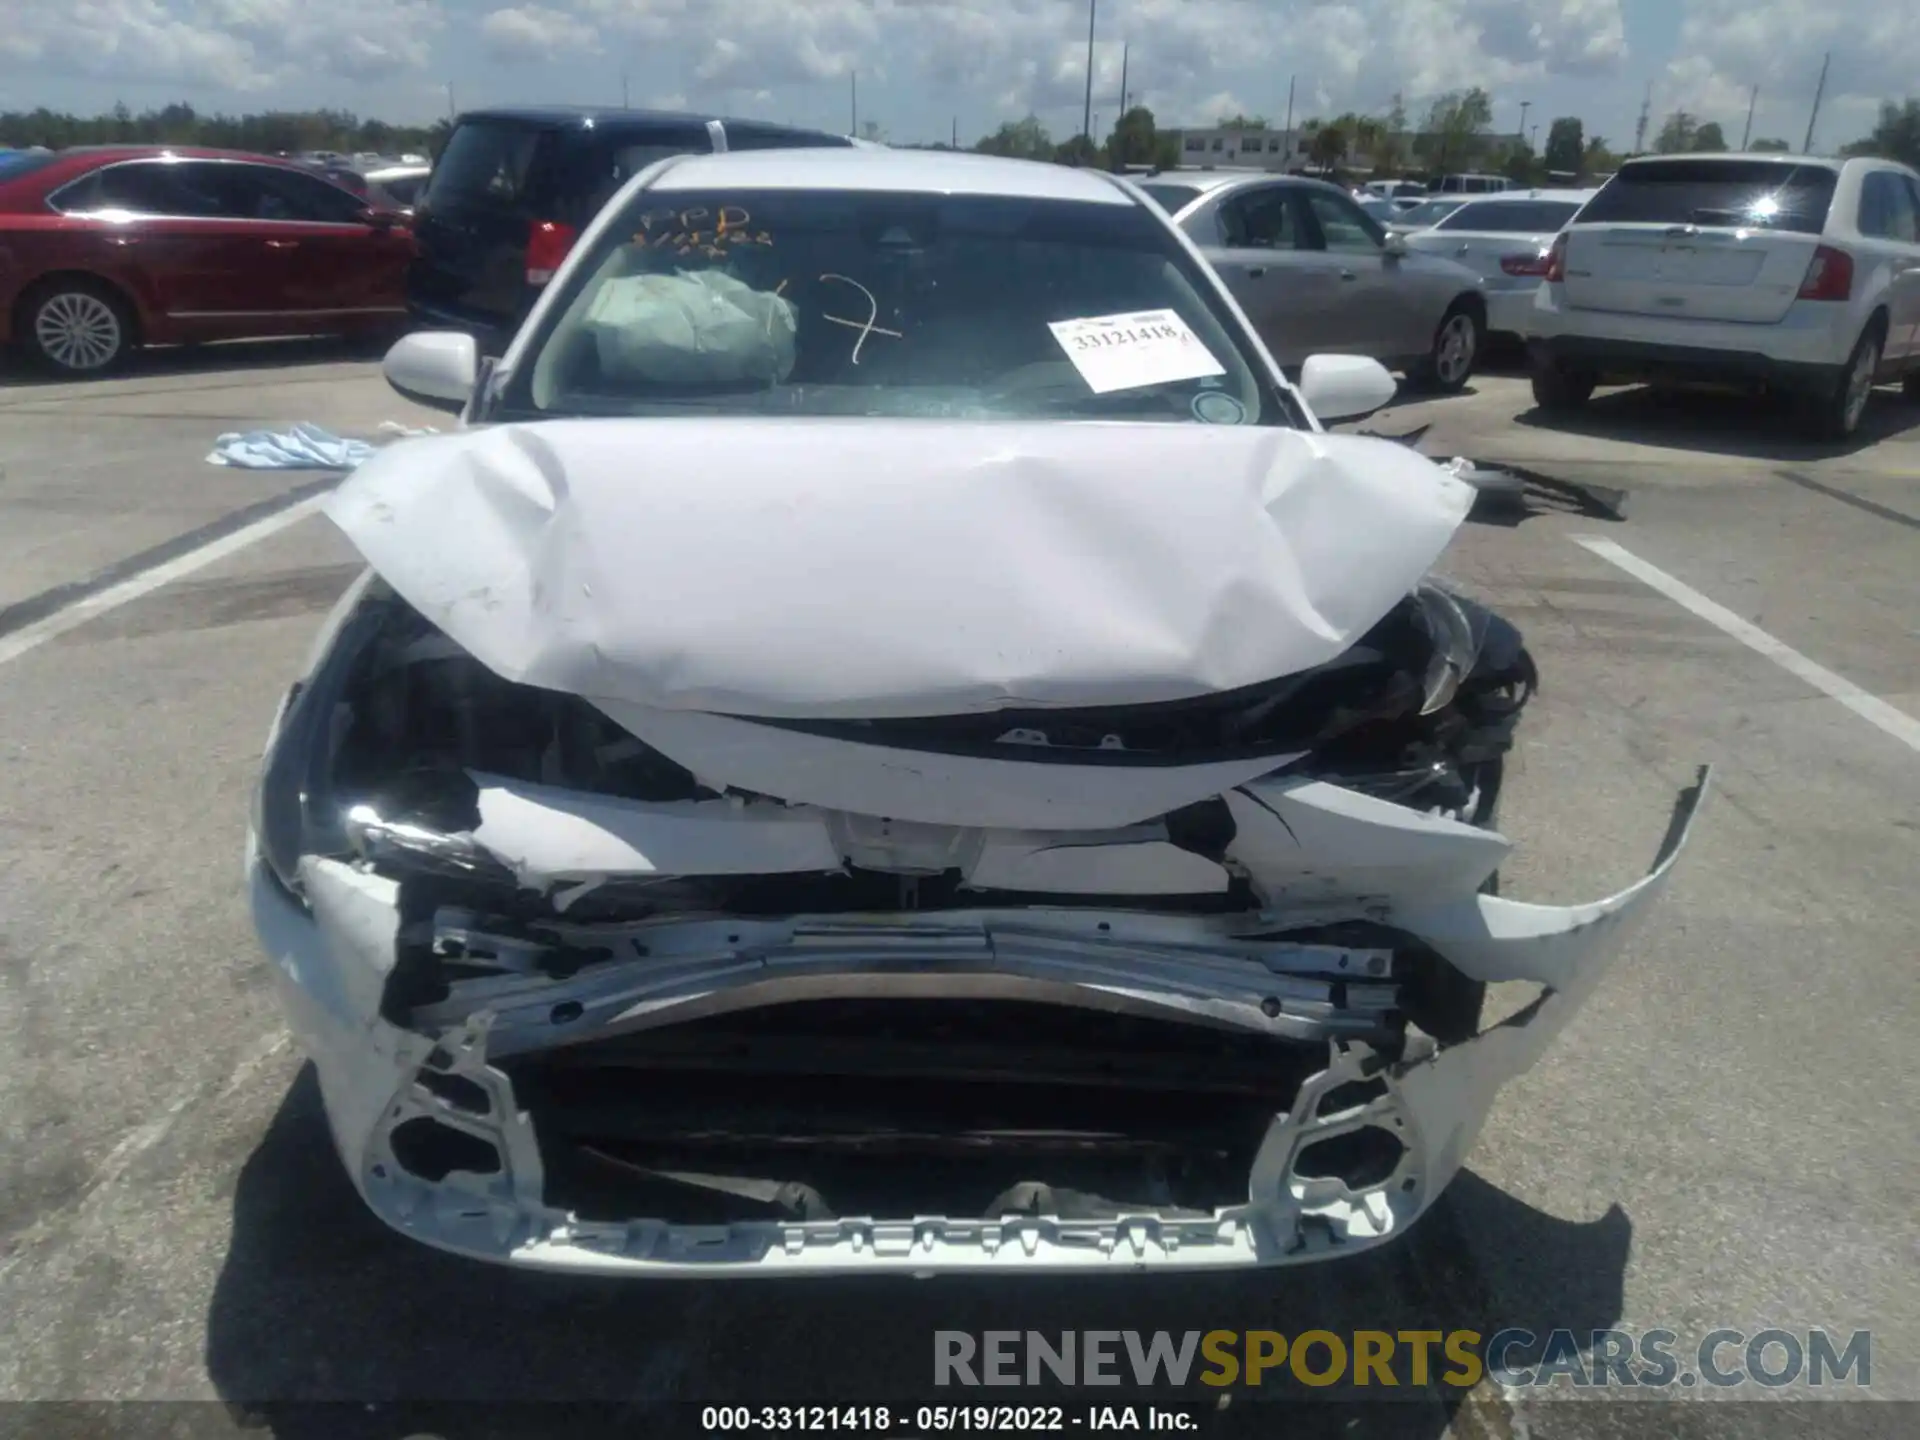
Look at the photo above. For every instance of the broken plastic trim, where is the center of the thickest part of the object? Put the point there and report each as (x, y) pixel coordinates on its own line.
(335, 965)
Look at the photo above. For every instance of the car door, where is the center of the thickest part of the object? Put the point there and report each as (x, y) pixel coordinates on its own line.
(1910, 265)
(1368, 318)
(345, 269)
(1887, 224)
(1288, 289)
(199, 269)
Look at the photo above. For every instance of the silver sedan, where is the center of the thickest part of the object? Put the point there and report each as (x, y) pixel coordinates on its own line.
(1316, 275)
(1504, 239)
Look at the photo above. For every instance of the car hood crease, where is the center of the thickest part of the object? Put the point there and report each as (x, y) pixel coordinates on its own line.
(873, 569)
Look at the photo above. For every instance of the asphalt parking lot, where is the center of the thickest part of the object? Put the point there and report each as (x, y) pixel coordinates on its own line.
(1723, 1138)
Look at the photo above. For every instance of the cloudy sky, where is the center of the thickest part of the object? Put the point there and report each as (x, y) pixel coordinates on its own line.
(924, 65)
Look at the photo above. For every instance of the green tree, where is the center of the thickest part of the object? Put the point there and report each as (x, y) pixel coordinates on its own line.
(1079, 151)
(1708, 138)
(1022, 139)
(1566, 142)
(1677, 133)
(1364, 136)
(1327, 146)
(1244, 122)
(1519, 163)
(1598, 158)
(1135, 139)
(1454, 125)
(1392, 156)
(1895, 137)
(1770, 147)
(180, 124)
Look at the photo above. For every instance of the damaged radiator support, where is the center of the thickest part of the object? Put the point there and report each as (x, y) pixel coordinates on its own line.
(985, 1070)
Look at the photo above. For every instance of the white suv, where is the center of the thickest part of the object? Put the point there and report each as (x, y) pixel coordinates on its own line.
(1800, 273)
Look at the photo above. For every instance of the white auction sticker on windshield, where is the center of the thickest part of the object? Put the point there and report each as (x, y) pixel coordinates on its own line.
(1124, 352)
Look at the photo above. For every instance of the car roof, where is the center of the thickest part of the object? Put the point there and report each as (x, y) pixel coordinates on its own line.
(938, 171)
(1212, 182)
(107, 154)
(1766, 157)
(1508, 197)
(615, 117)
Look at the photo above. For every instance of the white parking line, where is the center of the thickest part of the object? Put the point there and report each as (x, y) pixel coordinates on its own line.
(31, 637)
(1871, 708)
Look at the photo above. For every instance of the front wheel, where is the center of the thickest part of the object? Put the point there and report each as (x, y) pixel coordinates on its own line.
(1456, 346)
(1835, 412)
(77, 327)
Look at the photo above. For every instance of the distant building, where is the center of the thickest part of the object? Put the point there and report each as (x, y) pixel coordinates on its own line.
(1218, 148)
(1279, 150)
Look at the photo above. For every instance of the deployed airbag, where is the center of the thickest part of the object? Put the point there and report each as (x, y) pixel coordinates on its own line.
(701, 328)
(830, 569)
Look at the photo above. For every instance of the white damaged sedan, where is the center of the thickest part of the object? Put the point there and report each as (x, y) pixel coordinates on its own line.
(891, 739)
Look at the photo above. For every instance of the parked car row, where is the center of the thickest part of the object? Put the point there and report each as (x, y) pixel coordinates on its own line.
(1797, 273)
(106, 248)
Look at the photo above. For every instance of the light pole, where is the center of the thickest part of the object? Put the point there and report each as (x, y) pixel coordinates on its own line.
(1086, 122)
(1525, 105)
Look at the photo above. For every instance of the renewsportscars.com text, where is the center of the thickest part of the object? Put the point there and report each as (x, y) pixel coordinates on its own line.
(1462, 1358)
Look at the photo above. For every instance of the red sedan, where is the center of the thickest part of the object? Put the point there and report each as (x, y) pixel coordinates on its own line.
(108, 247)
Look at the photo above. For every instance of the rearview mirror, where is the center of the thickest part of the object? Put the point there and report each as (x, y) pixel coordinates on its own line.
(436, 368)
(1396, 244)
(1345, 387)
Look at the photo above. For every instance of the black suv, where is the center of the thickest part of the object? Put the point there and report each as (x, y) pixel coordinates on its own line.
(513, 188)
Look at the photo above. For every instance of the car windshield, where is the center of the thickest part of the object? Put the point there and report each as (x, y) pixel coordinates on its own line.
(1429, 212)
(1511, 217)
(1765, 194)
(1172, 198)
(812, 302)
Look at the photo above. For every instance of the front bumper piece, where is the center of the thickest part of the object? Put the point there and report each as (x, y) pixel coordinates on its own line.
(333, 959)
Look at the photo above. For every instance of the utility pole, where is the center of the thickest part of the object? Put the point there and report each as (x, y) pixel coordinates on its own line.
(1086, 122)
(1818, 91)
(956, 133)
(1640, 130)
(1126, 50)
(1752, 100)
(853, 103)
(625, 103)
(1287, 158)
(448, 87)
(1521, 133)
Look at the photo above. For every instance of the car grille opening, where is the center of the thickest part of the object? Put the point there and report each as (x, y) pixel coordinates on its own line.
(891, 1109)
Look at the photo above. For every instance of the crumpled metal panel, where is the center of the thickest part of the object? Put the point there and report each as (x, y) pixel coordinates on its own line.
(1435, 1099)
(875, 568)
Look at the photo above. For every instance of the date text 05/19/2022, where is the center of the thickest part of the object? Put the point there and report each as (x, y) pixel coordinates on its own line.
(945, 1419)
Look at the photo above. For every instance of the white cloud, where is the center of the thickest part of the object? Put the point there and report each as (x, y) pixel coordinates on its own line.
(1019, 55)
(249, 45)
(534, 34)
(992, 59)
(1728, 46)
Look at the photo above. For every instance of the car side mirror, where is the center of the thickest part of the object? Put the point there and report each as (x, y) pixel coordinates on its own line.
(1395, 244)
(377, 218)
(1345, 387)
(435, 368)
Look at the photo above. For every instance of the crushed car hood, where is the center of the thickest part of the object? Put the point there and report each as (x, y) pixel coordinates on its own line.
(875, 569)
